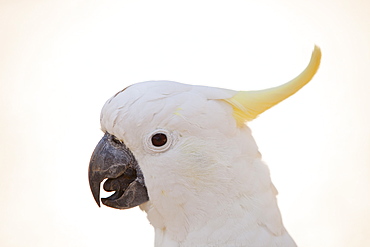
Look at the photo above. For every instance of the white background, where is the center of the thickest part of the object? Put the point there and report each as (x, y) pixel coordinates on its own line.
(61, 60)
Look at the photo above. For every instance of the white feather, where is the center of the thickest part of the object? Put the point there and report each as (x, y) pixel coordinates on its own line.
(210, 188)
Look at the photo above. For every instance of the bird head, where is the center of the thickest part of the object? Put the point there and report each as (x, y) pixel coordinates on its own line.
(167, 139)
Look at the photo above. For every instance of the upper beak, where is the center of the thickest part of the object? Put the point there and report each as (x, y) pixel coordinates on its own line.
(113, 160)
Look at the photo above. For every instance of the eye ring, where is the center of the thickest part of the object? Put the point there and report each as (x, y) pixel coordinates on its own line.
(159, 141)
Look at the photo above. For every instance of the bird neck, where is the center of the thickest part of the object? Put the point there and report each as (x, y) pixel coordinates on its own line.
(233, 211)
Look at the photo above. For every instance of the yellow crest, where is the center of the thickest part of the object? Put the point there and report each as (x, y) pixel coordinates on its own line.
(247, 105)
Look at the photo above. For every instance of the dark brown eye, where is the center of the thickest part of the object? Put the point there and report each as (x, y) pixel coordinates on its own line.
(159, 139)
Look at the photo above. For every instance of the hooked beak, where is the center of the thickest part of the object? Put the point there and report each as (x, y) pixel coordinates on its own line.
(113, 160)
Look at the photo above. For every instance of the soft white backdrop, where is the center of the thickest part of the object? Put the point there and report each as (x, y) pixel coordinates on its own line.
(61, 60)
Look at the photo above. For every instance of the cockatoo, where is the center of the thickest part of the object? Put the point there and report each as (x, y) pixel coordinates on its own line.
(185, 155)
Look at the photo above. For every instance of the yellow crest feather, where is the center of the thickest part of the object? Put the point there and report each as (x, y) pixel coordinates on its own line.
(247, 105)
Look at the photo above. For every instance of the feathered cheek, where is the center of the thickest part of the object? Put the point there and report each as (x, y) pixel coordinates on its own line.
(197, 165)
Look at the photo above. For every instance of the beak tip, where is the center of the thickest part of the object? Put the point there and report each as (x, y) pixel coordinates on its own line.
(95, 189)
(97, 202)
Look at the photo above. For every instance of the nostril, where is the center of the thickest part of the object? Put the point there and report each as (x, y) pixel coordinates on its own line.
(116, 140)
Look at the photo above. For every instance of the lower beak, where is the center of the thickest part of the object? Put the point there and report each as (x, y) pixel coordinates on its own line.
(111, 159)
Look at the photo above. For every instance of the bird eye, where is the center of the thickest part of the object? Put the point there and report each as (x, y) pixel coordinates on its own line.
(159, 139)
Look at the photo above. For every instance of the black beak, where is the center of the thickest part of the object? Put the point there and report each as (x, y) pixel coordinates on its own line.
(113, 160)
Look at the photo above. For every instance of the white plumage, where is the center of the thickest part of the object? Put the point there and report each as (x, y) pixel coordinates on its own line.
(207, 185)
(210, 188)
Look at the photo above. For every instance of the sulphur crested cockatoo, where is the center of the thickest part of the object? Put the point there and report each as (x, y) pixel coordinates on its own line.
(184, 154)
